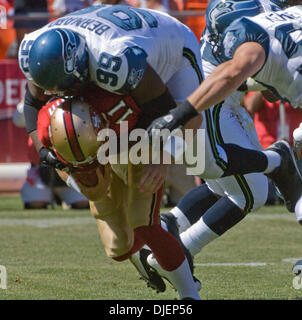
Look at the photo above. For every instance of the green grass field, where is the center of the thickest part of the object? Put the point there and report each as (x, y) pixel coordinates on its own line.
(55, 254)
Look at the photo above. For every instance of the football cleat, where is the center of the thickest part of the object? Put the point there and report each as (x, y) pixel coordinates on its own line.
(148, 274)
(287, 177)
(297, 268)
(171, 223)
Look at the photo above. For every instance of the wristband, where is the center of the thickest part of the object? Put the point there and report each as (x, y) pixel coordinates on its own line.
(183, 113)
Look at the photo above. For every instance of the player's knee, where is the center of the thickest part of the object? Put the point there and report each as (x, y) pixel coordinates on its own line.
(212, 171)
(260, 194)
(259, 201)
(120, 253)
(251, 202)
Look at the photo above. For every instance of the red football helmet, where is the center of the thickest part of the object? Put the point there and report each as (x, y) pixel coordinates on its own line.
(70, 127)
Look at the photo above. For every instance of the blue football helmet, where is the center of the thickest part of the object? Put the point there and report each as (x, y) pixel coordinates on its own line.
(58, 59)
(221, 13)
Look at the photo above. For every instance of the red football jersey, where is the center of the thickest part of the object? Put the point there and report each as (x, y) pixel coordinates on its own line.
(113, 108)
(110, 107)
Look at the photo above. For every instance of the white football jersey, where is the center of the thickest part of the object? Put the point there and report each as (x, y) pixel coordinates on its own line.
(210, 60)
(120, 39)
(280, 34)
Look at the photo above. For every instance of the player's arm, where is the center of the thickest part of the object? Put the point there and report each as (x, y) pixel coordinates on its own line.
(33, 102)
(150, 88)
(248, 58)
(253, 102)
(154, 175)
(154, 98)
(228, 76)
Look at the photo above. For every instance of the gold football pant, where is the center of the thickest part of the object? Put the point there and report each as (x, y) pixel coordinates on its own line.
(123, 209)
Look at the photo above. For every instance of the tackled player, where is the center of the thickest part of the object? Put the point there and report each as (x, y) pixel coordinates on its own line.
(142, 53)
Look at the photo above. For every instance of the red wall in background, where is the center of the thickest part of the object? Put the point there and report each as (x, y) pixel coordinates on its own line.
(13, 140)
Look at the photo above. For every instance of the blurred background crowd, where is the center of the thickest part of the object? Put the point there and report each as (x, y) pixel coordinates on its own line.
(24, 16)
(41, 188)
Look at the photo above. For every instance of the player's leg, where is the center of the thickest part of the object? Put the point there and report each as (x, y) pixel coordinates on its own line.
(243, 194)
(117, 237)
(143, 218)
(34, 193)
(195, 203)
(277, 161)
(172, 263)
(71, 197)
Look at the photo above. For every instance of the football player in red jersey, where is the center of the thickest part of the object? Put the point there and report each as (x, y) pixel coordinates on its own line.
(69, 127)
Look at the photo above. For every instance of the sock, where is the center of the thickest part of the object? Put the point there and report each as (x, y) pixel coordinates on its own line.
(274, 160)
(166, 249)
(197, 236)
(182, 220)
(193, 205)
(181, 278)
(237, 160)
(222, 216)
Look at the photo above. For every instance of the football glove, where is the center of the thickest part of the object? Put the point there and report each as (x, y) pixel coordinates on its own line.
(48, 158)
(176, 119)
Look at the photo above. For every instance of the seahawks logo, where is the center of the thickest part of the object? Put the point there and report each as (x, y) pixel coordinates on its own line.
(69, 50)
(219, 10)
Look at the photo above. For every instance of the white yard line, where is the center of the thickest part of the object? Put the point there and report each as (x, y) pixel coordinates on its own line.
(46, 222)
(55, 222)
(235, 264)
(245, 264)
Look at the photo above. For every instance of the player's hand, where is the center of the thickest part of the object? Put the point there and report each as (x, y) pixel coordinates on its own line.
(176, 119)
(48, 158)
(97, 192)
(153, 178)
(167, 122)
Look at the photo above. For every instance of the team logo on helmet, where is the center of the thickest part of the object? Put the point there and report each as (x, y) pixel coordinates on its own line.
(69, 49)
(219, 10)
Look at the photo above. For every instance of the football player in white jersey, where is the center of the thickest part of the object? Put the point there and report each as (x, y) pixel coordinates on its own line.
(265, 47)
(223, 202)
(124, 50)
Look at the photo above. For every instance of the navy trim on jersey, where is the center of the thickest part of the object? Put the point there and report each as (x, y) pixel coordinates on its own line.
(211, 134)
(189, 54)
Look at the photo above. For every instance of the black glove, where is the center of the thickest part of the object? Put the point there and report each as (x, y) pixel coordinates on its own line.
(48, 158)
(176, 119)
